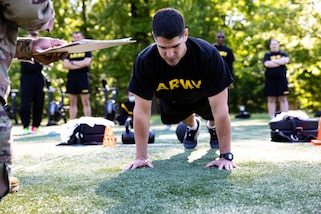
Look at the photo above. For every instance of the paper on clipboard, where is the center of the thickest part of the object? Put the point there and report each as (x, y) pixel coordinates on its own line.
(87, 45)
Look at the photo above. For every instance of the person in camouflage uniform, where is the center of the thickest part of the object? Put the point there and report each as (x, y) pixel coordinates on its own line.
(30, 15)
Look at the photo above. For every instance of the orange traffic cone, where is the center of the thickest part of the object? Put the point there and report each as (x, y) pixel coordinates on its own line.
(109, 137)
(318, 140)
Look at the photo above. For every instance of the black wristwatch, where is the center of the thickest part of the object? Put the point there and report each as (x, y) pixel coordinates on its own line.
(228, 156)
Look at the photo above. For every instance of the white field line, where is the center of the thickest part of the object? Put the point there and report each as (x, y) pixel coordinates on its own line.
(16, 168)
(20, 167)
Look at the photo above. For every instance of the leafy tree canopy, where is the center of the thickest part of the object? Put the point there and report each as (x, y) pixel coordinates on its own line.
(248, 25)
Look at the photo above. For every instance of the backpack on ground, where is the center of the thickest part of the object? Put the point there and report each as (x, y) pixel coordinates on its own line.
(85, 131)
(293, 126)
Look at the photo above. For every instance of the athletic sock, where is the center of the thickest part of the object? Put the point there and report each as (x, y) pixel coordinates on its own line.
(209, 126)
(195, 125)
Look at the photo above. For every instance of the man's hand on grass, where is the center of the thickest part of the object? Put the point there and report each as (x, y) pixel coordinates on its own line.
(138, 163)
(222, 164)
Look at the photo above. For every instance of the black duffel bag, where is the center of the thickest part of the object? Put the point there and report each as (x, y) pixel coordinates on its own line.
(294, 130)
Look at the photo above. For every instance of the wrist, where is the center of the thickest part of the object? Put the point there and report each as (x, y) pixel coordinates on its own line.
(24, 49)
(141, 158)
(227, 156)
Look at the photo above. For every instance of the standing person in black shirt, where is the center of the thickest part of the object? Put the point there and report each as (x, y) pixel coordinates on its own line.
(189, 77)
(32, 94)
(225, 52)
(276, 83)
(78, 79)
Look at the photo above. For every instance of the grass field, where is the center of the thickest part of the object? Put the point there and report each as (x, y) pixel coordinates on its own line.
(271, 178)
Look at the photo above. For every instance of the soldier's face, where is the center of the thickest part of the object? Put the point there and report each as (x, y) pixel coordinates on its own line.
(172, 50)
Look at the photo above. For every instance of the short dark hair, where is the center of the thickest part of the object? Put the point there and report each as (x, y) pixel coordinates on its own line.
(77, 32)
(33, 33)
(220, 32)
(168, 23)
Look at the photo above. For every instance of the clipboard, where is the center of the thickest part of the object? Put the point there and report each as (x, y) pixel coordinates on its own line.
(87, 45)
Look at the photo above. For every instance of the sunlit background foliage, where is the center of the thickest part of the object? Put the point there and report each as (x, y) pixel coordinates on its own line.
(248, 25)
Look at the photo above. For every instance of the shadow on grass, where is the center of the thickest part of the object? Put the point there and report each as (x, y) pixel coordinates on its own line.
(173, 185)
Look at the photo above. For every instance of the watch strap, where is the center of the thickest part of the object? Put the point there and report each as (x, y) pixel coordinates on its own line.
(228, 156)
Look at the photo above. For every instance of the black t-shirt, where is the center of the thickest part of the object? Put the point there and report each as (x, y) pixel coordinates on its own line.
(127, 108)
(28, 68)
(227, 54)
(200, 73)
(78, 57)
(277, 73)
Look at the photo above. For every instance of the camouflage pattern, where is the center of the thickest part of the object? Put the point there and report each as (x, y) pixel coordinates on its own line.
(30, 15)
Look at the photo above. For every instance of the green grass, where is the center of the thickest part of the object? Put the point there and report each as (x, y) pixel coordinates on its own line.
(271, 178)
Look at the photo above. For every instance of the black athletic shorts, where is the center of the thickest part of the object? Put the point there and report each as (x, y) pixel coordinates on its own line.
(275, 88)
(77, 83)
(172, 113)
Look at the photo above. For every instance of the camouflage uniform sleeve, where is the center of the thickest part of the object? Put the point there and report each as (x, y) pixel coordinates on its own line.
(24, 49)
(29, 15)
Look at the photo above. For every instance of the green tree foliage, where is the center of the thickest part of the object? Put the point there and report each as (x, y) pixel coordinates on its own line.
(248, 25)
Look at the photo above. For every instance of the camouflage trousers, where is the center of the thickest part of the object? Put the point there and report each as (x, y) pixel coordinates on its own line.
(5, 152)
